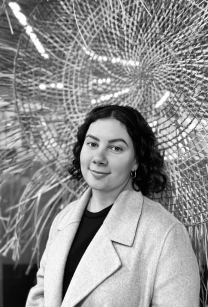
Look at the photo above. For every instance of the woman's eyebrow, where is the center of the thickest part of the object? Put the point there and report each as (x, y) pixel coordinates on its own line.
(117, 140)
(93, 137)
(110, 141)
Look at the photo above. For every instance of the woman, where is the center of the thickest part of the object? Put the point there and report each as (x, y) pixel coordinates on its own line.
(114, 246)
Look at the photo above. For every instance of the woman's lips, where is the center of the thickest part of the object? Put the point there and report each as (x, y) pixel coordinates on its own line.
(97, 174)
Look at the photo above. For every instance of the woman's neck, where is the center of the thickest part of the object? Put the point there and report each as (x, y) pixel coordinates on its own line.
(100, 201)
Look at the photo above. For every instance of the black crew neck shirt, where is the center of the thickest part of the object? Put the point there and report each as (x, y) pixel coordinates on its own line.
(88, 227)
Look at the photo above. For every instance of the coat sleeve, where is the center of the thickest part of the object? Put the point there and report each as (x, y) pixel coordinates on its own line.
(177, 281)
(36, 294)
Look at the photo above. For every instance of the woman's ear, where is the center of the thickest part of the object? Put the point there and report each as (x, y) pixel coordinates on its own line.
(136, 165)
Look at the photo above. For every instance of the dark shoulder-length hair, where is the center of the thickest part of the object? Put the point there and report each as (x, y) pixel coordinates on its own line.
(150, 175)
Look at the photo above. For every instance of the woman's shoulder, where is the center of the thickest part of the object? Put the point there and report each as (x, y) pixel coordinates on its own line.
(68, 209)
(158, 216)
(157, 226)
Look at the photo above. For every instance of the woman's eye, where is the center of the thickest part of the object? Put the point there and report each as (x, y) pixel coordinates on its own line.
(116, 148)
(91, 144)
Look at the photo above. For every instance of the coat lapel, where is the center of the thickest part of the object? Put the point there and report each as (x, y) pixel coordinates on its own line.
(98, 263)
(101, 259)
(56, 265)
(59, 250)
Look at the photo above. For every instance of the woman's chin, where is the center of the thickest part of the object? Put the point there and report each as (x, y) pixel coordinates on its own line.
(97, 185)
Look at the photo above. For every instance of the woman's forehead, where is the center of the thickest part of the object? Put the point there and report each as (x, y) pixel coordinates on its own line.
(108, 128)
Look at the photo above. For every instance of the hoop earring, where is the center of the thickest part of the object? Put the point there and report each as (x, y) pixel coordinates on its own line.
(133, 174)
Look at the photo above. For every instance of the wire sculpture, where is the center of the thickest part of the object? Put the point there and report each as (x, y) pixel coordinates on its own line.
(152, 55)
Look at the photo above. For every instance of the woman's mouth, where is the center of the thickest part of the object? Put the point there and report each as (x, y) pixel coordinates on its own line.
(97, 174)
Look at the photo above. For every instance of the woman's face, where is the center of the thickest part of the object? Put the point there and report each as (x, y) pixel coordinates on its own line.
(107, 156)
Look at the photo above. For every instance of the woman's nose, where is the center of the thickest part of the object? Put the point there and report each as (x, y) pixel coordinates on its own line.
(99, 158)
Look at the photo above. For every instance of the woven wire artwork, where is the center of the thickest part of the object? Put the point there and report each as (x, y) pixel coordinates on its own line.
(151, 55)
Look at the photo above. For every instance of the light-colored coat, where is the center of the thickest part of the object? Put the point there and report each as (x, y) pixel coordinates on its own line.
(140, 257)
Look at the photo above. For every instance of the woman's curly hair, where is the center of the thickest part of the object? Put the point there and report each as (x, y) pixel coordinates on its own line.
(150, 175)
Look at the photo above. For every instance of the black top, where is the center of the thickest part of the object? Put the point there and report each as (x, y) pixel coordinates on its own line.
(89, 225)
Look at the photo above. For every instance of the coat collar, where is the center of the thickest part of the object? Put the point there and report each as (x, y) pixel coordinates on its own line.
(76, 215)
(122, 220)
